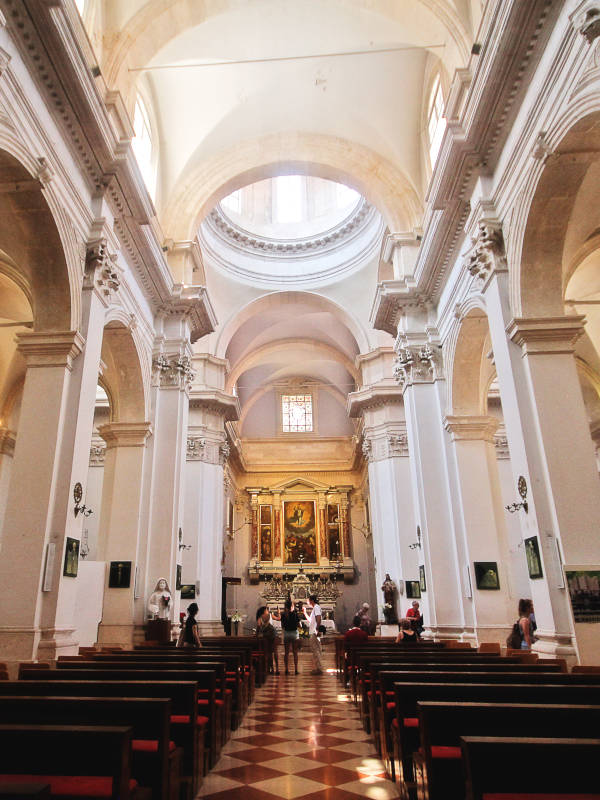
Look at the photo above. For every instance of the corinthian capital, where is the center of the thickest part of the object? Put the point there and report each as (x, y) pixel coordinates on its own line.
(422, 364)
(173, 370)
(487, 253)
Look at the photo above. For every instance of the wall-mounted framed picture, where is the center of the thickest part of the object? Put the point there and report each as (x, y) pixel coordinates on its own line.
(534, 562)
(188, 591)
(119, 575)
(486, 575)
(178, 578)
(422, 584)
(71, 558)
(584, 591)
(413, 589)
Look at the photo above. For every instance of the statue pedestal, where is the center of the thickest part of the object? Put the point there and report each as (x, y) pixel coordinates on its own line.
(158, 630)
(388, 630)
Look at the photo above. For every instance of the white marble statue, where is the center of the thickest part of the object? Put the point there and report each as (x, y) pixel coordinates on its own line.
(159, 604)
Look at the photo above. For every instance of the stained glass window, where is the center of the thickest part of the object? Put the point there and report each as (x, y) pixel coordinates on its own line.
(297, 413)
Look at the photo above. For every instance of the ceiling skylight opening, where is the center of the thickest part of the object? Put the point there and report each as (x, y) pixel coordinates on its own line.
(291, 207)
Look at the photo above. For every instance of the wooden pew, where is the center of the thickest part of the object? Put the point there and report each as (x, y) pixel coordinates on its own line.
(80, 761)
(438, 765)
(153, 670)
(188, 728)
(515, 767)
(405, 727)
(155, 764)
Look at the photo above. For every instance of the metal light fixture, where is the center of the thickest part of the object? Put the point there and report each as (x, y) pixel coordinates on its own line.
(78, 496)
(522, 489)
(181, 545)
(416, 544)
(231, 533)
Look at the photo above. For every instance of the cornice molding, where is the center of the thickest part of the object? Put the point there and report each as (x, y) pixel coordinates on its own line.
(546, 335)
(471, 428)
(217, 402)
(377, 395)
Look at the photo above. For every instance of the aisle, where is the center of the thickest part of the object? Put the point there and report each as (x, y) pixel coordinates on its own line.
(301, 740)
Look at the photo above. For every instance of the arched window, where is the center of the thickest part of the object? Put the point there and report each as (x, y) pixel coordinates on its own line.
(143, 147)
(436, 122)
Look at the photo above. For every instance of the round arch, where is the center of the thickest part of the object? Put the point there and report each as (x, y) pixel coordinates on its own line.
(539, 265)
(275, 299)
(122, 377)
(157, 23)
(206, 183)
(465, 355)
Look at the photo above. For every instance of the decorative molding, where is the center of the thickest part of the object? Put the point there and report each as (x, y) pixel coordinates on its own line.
(173, 371)
(367, 449)
(224, 451)
(501, 445)
(418, 364)
(377, 395)
(50, 349)
(125, 434)
(541, 150)
(201, 448)
(487, 254)
(277, 248)
(8, 440)
(216, 402)
(590, 28)
(471, 428)
(546, 335)
(397, 445)
(101, 270)
(195, 448)
(97, 454)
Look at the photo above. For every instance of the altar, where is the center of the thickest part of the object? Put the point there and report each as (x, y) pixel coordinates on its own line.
(276, 591)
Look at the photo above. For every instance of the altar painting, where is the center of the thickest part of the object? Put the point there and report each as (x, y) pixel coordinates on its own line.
(300, 537)
(266, 534)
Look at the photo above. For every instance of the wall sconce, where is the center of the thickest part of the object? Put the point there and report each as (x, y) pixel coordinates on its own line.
(231, 533)
(78, 496)
(181, 545)
(522, 489)
(416, 544)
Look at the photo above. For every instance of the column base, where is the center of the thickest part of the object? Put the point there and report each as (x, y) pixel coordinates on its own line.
(56, 642)
(19, 644)
(492, 633)
(116, 635)
(210, 627)
(555, 645)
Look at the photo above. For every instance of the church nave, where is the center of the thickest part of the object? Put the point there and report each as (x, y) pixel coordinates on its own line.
(300, 740)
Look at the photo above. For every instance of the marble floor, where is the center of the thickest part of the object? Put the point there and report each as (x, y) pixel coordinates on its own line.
(300, 740)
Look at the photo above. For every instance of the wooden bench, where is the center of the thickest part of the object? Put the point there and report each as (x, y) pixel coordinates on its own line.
(156, 761)
(438, 765)
(77, 761)
(207, 675)
(188, 729)
(515, 768)
(403, 734)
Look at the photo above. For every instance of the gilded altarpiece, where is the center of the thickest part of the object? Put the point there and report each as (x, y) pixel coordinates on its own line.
(297, 526)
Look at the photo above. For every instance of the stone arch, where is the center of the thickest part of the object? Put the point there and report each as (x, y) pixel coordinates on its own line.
(262, 353)
(157, 23)
(210, 180)
(37, 240)
(262, 303)
(465, 355)
(540, 261)
(122, 377)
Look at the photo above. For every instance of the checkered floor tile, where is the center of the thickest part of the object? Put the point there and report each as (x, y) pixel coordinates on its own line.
(300, 740)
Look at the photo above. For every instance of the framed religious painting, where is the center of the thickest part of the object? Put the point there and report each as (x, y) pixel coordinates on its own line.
(333, 531)
(71, 564)
(584, 591)
(532, 554)
(486, 575)
(300, 536)
(119, 575)
(422, 584)
(188, 591)
(178, 577)
(266, 533)
(413, 589)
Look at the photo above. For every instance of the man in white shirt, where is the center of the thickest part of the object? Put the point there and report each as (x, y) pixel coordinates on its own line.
(314, 620)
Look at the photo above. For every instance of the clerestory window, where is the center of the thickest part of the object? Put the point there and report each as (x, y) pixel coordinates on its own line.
(143, 146)
(436, 122)
(297, 413)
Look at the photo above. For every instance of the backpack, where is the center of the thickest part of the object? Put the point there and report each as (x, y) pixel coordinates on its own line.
(515, 637)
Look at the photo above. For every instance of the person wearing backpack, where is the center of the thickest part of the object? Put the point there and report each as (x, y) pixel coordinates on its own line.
(521, 636)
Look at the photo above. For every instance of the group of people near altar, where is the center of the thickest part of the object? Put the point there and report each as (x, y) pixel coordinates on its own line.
(291, 620)
(410, 627)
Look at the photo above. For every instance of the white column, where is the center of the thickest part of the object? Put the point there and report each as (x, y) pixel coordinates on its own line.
(205, 495)
(419, 372)
(385, 446)
(7, 451)
(478, 504)
(118, 538)
(549, 441)
(51, 456)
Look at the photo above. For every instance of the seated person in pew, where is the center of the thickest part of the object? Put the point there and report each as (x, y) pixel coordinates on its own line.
(406, 633)
(355, 634)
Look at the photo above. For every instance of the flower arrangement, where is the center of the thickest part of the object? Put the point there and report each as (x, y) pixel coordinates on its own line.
(236, 617)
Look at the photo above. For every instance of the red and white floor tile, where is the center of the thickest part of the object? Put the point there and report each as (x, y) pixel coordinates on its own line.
(300, 740)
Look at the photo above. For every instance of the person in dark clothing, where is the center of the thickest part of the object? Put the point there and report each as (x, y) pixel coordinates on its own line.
(191, 637)
(290, 622)
(406, 633)
(355, 634)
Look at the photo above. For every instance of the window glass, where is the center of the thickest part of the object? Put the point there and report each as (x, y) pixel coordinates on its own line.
(436, 124)
(297, 413)
(142, 145)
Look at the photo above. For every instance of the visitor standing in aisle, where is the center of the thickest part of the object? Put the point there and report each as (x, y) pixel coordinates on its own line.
(314, 621)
